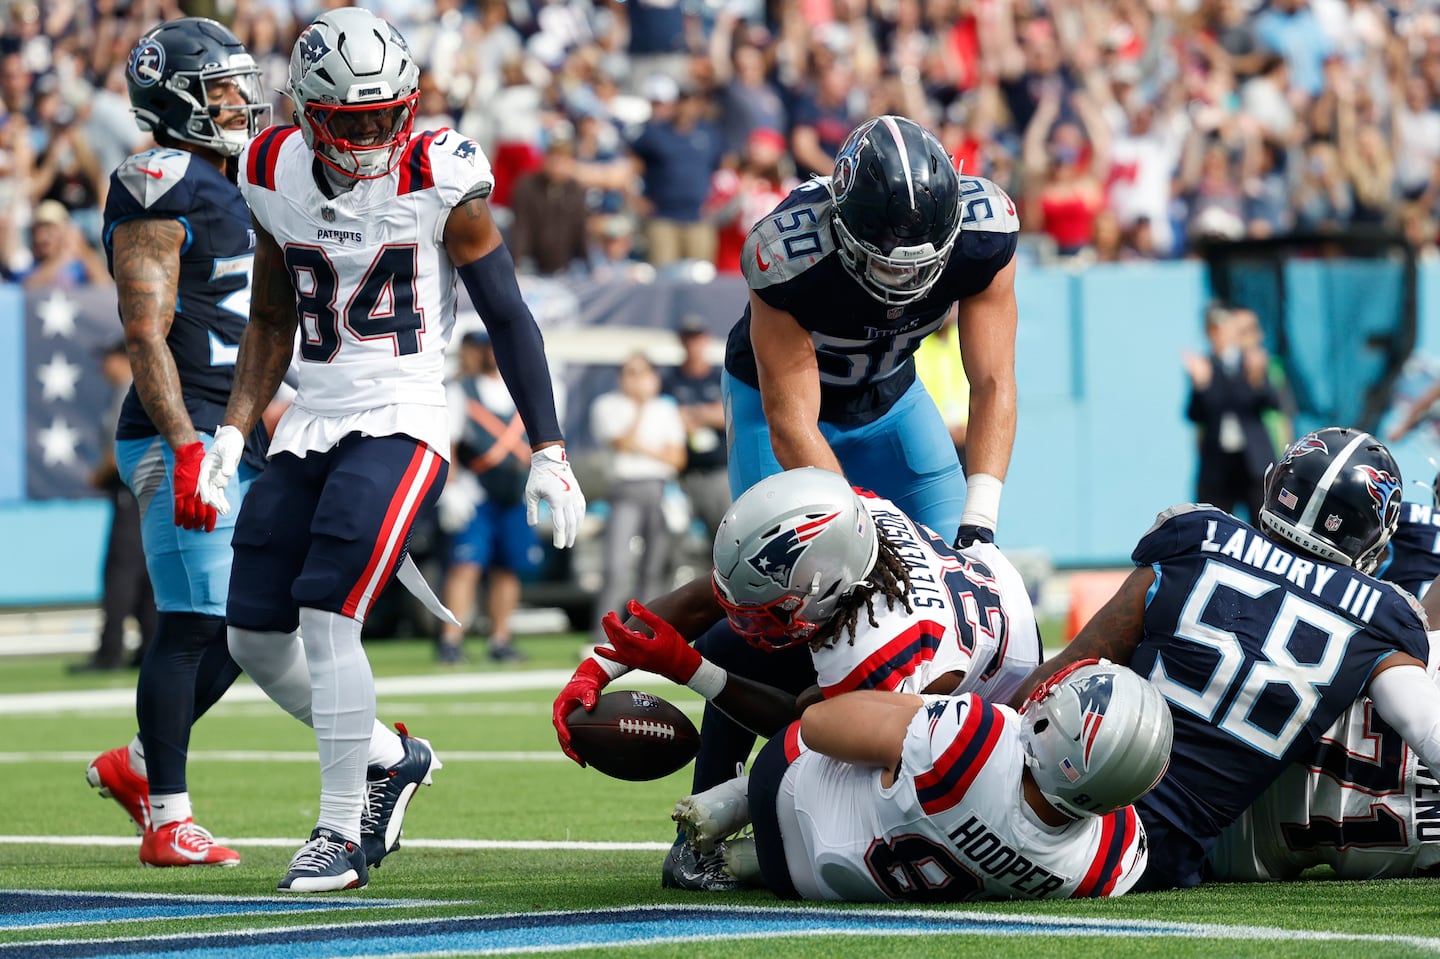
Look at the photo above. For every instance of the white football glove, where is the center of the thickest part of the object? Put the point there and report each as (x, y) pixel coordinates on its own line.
(458, 500)
(552, 480)
(220, 463)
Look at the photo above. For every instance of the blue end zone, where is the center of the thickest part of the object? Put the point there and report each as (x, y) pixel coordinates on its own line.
(492, 934)
(38, 910)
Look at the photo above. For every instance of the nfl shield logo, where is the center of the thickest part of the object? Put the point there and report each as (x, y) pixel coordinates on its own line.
(327, 213)
(1332, 523)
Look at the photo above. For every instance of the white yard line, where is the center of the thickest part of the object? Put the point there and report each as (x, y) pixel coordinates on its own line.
(291, 842)
(110, 700)
(282, 756)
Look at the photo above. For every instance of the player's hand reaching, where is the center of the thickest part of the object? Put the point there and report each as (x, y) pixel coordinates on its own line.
(665, 653)
(220, 463)
(582, 692)
(191, 512)
(552, 480)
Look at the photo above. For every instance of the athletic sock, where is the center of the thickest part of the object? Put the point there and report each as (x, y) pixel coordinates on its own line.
(343, 710)
(168, 808)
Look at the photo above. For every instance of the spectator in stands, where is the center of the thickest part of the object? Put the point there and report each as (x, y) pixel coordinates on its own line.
(1416, 144)
(1230, 393)
(1066, 167)
(110, 130)
(550, 231)
(66, 169)
(483, 504)
(511, 137)
(612, 255)
(1211, 183)
(1291, 28)
(748, 100)
(678, 150)
(645, 434)
(1321, 197)
(740, 197)
(823, 118)
(658, 41)
(60, 256)
(1366, 158)
(1145, 155)
(694, 385)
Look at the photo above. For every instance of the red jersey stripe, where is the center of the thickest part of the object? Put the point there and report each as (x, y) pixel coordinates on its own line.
(945, 784)
(419, 475)
(893, 663)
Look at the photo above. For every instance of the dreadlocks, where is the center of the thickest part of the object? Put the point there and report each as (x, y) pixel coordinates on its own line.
(889, 578)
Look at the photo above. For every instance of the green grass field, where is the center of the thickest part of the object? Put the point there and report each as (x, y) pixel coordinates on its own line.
(515, 849)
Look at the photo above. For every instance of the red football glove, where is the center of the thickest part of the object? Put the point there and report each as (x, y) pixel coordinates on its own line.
(191, 511)
(582, 690)
(666, 653)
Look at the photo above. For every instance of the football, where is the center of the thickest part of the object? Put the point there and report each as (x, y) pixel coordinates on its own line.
(633, 735)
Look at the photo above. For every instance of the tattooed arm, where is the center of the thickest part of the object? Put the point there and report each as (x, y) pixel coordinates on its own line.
(147, 281)
(269, 338)
(1112, 634)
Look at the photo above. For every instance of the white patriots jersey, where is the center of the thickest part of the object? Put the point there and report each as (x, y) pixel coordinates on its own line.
(953, 827)
(969, 613)
(375, 289)
(1361, 803)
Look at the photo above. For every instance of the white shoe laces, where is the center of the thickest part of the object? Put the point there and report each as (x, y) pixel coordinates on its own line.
(374, 799)
(316, 854)
(189, 834)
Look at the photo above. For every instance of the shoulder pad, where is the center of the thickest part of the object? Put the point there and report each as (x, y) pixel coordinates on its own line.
(261, 156)
(447, 161)
(789, 239)
(986, 208)
(152, 178)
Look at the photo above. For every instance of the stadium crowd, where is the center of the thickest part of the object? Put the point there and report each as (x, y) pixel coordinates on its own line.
(1123, 128)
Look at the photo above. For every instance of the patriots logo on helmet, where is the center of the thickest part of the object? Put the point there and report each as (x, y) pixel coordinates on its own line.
(147, 64)
(1383, 486)
(1306, 444)
(1094, 693)
(313, 47)
(778, 556)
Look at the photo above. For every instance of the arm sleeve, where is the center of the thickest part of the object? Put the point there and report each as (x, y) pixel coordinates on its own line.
(519, 347)
(1406, 698)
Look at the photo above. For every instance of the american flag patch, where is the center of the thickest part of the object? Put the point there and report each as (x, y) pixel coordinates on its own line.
(1069, 770)
(1288, 499)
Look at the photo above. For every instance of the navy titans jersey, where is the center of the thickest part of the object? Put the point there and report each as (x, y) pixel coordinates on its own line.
(1258, 650)
(1412, 560)
(865, 348)
(213, 304)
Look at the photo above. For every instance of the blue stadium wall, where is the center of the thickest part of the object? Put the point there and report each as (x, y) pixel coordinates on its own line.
(1102, 445)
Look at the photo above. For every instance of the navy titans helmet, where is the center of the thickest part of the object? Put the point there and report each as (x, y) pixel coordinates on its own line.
(171, 72)
(1335, 494)
(897, 208)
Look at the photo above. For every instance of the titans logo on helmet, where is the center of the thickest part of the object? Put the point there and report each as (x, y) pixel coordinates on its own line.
(1384, 487)
(778, 556)
(1094, 693)
(147, 64)
(313, 47)
(1306, 444)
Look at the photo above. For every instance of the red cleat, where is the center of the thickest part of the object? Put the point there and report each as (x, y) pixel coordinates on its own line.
(111, 774)
(184, 844)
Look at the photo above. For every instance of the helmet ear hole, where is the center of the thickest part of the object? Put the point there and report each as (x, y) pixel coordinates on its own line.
(1041, 725)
